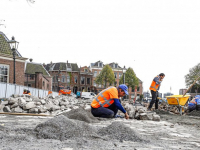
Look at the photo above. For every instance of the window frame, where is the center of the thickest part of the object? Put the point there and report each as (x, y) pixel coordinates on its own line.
(8, 72)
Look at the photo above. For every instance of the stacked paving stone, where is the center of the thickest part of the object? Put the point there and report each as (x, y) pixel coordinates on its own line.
(139, 112)
(48, 105)
(62, 104)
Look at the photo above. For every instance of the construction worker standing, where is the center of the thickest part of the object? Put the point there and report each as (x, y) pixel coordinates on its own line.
(106, 103)
(155, 86)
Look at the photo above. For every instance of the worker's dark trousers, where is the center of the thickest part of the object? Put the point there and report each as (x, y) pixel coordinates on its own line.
(105, 112)
(154, 99)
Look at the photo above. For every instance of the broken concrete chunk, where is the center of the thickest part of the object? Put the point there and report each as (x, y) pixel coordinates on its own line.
(29, 105)
(18, 110)
(156, 117)
(6, 109)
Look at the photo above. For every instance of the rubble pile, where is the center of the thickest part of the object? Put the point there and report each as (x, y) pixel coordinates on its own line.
(139, 112)
(48, 105)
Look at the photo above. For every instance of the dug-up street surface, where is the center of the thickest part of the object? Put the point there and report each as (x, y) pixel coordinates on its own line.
(78, 129)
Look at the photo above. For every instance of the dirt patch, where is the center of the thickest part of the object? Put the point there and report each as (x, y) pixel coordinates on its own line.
(82, 115)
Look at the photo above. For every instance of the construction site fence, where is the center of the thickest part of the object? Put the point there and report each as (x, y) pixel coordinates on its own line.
(8, 89)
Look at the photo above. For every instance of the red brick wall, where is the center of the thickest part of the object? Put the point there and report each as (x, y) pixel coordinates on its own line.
(19, 70)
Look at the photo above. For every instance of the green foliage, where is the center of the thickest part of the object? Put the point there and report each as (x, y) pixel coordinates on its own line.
(130, 78)
(193, 74)
(106, 76)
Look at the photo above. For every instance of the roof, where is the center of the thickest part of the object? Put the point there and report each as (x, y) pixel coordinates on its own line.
(32, 68)
(111, 65)
(61, 66)
(96, 63)
(5, 46)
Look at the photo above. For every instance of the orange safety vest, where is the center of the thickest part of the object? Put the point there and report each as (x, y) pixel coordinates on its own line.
(154, 86)
(104, 99)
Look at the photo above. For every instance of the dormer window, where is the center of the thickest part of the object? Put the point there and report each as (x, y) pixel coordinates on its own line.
(100, 64)
(116, 66)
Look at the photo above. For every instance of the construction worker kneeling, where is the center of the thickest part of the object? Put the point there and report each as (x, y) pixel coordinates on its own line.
(26, 92)
(106, 103)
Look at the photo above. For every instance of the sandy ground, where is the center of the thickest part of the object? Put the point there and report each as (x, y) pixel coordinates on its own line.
(172, 132)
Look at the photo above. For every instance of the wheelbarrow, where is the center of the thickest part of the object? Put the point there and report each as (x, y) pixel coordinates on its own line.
(179, 101)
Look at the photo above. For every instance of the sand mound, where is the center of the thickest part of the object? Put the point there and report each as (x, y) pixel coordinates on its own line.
(63, 128)
(119, 131)
(82, 115)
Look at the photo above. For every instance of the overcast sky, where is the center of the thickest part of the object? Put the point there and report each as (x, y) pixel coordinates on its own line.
(151, 36)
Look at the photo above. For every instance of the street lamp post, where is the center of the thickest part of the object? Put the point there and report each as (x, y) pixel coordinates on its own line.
(14, 45)
(124, 71)
(58, 79)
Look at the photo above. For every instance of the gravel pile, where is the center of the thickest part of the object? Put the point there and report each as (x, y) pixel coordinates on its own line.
(119, 131)
(194, 113)
(82, 115)
(63, 128)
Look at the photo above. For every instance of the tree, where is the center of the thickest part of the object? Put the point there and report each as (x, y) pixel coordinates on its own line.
(193, 74)
(106, 76)
(131, 79)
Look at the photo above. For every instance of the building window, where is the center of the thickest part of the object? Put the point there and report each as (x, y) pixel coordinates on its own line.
(29, 85)
(100, 64)
(138, 88)
(120, 74)
(88, 80)
(63, 78)
(85, 70)
(94, 84)
(68, 79)
(4, 73)
(115, 73)
(32, 77)
(82, 80)
(116, 65)
(95, 73)
(47, 86)
(43, 83)
(53, 88)
(75, 79)
(88, 89)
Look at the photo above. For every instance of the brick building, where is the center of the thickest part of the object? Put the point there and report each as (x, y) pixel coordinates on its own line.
(118, 72)
(37, 76)
(7, 63)
(86, 80)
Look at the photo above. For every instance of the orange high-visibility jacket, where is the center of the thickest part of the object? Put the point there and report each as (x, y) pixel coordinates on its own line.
(155, 85)
(26, 93)
(105, 98)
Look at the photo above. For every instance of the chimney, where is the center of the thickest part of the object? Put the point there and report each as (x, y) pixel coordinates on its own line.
(30, 59)
(51, 62)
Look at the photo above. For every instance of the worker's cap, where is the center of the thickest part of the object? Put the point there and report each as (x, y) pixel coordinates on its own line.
(124, 88)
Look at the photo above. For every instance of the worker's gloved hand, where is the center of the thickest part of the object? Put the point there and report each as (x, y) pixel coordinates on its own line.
(126, 115)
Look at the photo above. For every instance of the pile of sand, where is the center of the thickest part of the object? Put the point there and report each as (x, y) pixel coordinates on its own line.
(119, 131)
(63, 128)
(82, 115)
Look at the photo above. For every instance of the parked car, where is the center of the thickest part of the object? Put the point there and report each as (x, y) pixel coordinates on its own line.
(87, 95)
